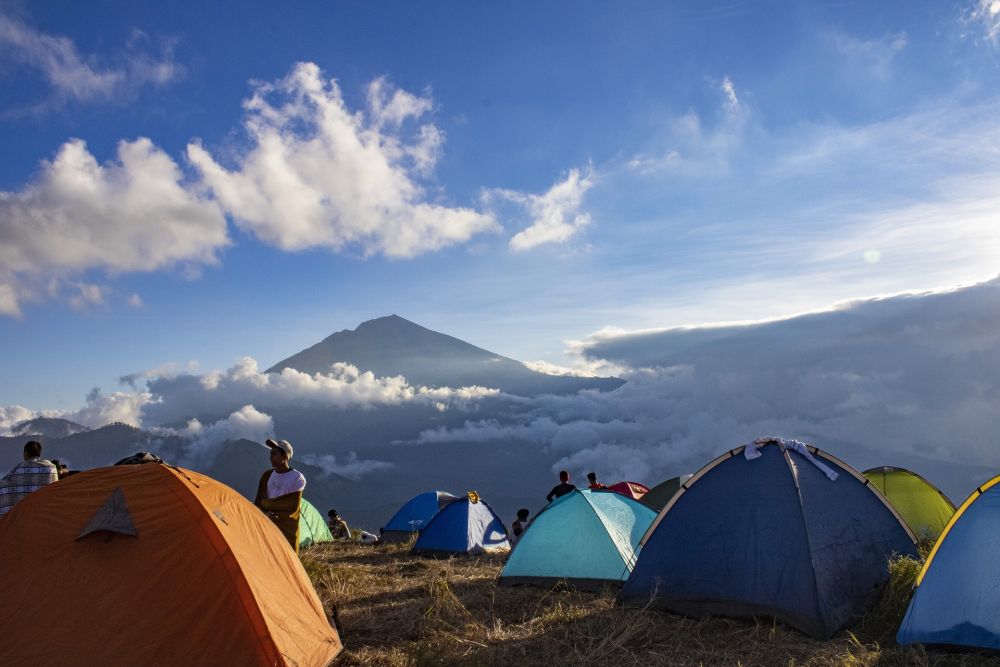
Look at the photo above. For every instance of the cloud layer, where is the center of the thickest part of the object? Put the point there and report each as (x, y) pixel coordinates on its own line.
(908, 378)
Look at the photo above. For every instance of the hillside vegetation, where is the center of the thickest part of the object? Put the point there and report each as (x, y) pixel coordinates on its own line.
(394, 609)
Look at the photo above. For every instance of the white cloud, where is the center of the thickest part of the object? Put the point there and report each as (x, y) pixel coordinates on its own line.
(985, 14)
(101, 409)
(729, 90)
(874, 56)
(87, 295)
(180, 395)
(555, 214)
(695, 148)
(320, 175)
(203, 441)
(12, 415)
(542, 366)
(80, 78)
(167, 370)
(132, 214)
(349, 465)
(8, 301)
(98, 410)
(135, 301)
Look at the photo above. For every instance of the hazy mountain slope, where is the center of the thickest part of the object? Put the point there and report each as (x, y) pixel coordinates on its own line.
(391, 345)
(48, 427)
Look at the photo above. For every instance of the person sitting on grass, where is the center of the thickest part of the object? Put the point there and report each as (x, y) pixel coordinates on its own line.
(520, 524)
(338, 527)
(279, 492)
(592, 482)
(562, 488)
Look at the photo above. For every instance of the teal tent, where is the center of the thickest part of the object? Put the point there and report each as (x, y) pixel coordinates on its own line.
(587, 538)
(312, 528)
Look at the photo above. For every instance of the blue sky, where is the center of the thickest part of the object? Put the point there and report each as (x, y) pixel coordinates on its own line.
(551, 169)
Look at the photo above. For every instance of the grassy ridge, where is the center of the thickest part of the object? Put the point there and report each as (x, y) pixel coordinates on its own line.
(394, 609)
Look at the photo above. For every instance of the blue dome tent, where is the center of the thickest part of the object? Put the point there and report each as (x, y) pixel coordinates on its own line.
(776, 528)
(957, 595)
(466, 526)
(586, 538)
(414, 516)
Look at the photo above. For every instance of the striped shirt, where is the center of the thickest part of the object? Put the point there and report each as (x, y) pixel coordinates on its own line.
(25, 478)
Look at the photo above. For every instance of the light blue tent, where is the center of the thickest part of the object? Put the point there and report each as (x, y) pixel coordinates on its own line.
(957, 596)
(414, 516)
(587, 538)
(776, 529)
(464, 526)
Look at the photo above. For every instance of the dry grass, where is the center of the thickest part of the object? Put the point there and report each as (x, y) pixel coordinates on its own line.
(394, 609)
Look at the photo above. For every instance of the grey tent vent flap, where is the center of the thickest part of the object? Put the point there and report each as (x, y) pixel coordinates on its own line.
(112, 517)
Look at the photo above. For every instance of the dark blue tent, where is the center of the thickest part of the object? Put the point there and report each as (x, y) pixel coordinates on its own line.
(957, 598)
(414, 516)
(465, 526)
(768, 532)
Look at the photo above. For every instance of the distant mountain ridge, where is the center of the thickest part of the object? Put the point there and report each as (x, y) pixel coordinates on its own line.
(392, 345)
(48, 427)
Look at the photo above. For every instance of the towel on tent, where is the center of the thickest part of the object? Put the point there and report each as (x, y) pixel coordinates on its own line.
(750, 452)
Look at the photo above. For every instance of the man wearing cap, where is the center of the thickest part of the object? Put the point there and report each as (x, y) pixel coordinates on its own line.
(279, 492)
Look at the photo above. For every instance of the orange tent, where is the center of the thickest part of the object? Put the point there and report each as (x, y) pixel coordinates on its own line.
(151, 564)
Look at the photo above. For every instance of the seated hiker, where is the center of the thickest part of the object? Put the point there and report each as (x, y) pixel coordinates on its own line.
(337, 525)
(279, 492)
(562, 488)
(592, 482)
(520, 524)
(26, 477)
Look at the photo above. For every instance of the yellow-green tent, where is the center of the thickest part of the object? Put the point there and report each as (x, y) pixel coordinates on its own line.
(922, 505)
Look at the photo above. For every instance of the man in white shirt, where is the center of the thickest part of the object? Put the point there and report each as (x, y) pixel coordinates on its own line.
(279, 492)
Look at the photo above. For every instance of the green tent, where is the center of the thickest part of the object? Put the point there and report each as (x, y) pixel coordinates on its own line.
(658, 496)
(312, 527)
(924, 508)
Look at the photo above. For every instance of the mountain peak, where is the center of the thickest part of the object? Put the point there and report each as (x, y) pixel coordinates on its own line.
(393, 322)
(393, 345)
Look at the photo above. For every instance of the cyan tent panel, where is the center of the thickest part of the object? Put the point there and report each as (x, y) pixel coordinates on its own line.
(583, 535)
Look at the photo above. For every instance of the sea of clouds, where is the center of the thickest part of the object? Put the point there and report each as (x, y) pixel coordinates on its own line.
(902, 378)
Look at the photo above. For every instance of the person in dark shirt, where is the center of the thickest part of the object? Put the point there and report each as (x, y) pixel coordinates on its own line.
(562, 488)
(592, 482)
(520, 524)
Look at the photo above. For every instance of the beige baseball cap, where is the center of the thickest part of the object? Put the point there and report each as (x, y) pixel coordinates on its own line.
(283, 445)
